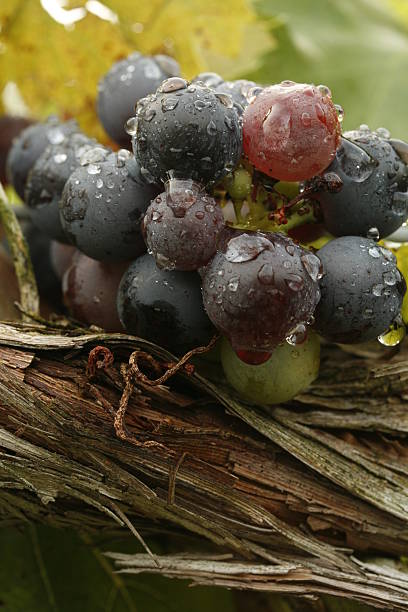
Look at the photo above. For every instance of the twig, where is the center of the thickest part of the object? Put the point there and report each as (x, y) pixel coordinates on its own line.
(173, 369)
(133, 529)
(27, 284)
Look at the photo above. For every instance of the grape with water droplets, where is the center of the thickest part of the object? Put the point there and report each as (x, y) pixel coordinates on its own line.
(124, 84)
(102, 208)
(30, 145)
(47, 179)
(288, 371)
(187, 131)
(291, 131)
(181, 226)
(163, 306)
(259, 288)
(362, 290)
(374, 191)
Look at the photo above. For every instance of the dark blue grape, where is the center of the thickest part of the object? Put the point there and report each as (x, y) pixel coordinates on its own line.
(187, 131)
(209, 79)
(163, 307)
(30, 145)
(124, 84)
(260, 289)
(362, 290)
(48, 176)
(374, 190)
(182, 225)
(103, 205)
(239, 91)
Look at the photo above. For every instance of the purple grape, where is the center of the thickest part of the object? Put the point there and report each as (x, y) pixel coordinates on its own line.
(260, 289)
(182, 225)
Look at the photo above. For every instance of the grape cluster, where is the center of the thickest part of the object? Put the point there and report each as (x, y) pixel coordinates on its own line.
(232, 208)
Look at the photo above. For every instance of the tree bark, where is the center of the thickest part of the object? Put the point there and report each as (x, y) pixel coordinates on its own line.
(306, 499)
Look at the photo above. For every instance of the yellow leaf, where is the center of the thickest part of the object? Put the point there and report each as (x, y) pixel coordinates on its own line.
(56, 67)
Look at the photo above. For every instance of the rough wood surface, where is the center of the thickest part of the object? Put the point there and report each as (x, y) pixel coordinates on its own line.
(306, 498)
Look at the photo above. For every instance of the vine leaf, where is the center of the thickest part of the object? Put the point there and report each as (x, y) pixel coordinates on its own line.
(57, 67)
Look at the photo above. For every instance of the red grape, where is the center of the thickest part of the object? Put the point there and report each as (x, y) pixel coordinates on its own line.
(291, 131)
(90, 288)
(61, 257)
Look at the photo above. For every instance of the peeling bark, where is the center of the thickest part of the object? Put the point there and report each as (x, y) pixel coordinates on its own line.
(300, 497)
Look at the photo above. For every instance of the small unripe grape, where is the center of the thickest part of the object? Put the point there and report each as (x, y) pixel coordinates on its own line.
(288, 371)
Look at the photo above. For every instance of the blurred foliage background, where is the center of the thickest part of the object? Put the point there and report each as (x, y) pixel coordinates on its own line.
(52, 54)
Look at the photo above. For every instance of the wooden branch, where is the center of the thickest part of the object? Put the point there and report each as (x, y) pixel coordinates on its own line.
(299, 500)
(29, 297)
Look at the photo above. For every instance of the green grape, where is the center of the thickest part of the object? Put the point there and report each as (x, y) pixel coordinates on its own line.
(288, 371)
(239, 184)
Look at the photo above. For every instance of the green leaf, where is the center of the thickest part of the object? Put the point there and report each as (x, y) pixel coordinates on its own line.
(359, 48)
(49, 570)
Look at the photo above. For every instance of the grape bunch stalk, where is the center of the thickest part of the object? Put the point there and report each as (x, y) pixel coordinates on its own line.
(223, 207)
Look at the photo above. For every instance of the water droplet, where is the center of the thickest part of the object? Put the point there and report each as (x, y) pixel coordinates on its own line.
(131, 126)
(401, 148)
(295, 282)
(149, 114)
(368, 313)
(297, 335)
(290, 249)
(394, 334)
(392, 277)
(200, 105)
(99, 183)
(377, 290)
(225, 99)
(253, 93)
(93, 169)
(340, 112)
(229, 122)
(157, 216)
(174, 83)
(373, 233)
(211, 128)
(387, 254)
(164, 262)
(383, 133)
(55, 136)
(266, 274)
(355, 161)
(312, 265)
(93, 156)
(110, 184)
(246, 247)
(306, 119)
(287, 83)
(400, 203)
(374, 252)
(200, 215)
(169, 103)
(98, 195)
(60, 158)
(233, 284)
(324, 91)
(122, 156)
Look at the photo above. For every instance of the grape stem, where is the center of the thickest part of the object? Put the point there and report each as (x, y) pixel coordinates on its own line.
(30, 301)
